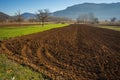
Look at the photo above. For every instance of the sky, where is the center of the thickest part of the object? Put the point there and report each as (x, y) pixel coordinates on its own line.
(12, 6)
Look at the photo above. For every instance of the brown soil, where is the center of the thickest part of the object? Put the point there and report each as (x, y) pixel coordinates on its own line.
(75, 52)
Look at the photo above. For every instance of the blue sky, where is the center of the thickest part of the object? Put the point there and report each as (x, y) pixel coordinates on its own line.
(11, 6)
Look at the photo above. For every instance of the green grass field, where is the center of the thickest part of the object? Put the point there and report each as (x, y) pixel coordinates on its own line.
(9, 32)
(117, 28)
(10, 69)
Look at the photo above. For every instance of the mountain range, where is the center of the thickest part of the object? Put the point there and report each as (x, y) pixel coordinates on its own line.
(4, 16)
(103, 11)
(28, 15)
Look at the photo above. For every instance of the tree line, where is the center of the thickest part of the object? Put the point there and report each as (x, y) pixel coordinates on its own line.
(43, 16)
(91, 18)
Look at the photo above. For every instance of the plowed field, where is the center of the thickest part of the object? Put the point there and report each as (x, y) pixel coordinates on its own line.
(75, 52)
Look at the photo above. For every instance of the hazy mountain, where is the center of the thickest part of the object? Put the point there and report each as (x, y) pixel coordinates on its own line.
(28, 15)
(4, 16)
(102, 11)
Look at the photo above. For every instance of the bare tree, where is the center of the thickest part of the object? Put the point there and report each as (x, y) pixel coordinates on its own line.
(113, 19)
(79, 19)
(43, 15)
(18, 17)
(32, 20)
(87, 18)
(96, 20)
(2, 19)
(82, 18)
(91, 17)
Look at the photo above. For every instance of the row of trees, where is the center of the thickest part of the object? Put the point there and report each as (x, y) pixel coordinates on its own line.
(87, 18)
(41, 16)
(90, 18)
